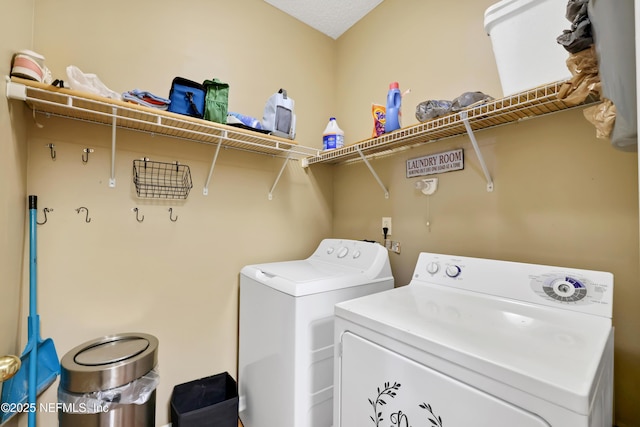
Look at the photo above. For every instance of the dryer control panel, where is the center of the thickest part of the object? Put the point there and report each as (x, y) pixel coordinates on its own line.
(586, 291)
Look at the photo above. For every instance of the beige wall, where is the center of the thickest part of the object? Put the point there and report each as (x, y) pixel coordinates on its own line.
(562, 197)
(15, 34)
(178, 281)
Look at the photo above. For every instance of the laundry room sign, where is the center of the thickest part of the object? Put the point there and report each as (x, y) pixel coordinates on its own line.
(436, 163)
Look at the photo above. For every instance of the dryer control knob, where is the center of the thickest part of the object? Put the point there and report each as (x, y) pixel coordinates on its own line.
(433, 267)
(343, 252)
(453, 271)
(356, 254)
(330, 250)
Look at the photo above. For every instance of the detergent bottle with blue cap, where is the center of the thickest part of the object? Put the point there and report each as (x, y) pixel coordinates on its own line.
(393, 114)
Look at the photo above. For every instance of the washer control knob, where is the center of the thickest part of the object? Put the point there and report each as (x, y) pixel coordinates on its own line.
(343, 252)
(453, 271)
(433, 267)
(330, 250)
(356, 254)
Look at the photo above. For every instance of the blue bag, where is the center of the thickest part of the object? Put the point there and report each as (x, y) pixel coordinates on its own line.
(187, 97)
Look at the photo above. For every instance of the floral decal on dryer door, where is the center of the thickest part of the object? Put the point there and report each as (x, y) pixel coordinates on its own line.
(398, 419)
(387, 390)
(436, 421)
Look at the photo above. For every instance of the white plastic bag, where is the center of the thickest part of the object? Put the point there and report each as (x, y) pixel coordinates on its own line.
(279, 117)
(89, 83)
(137, 392)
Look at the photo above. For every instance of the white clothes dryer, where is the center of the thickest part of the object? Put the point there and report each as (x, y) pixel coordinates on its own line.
(477, 342)
(286, 354)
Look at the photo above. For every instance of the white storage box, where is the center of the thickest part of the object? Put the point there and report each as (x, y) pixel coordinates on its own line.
(523, 35)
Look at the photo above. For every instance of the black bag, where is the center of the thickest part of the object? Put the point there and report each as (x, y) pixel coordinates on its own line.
(187, 97)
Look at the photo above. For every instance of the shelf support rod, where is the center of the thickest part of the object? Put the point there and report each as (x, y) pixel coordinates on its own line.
(205, 190)
(375, 175)
(112, 179)
(273, 187)
(465, 119)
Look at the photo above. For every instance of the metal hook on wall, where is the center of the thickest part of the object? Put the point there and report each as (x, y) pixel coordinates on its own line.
(86, 219)
(52, 148)
(171, 215)
(85, 156)
(45, 210)
(137, 217)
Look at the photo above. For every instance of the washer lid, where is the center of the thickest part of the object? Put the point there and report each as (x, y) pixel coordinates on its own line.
(306, 277)
(556, 355)
(306, 271)
(113, 351)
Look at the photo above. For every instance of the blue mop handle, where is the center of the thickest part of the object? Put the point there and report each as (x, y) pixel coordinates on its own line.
(34, 321)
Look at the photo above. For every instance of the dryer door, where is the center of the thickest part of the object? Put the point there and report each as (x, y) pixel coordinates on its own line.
(381, 388)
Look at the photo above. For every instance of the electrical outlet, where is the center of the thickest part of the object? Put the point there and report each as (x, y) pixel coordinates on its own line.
(395, 247)
(386, 222)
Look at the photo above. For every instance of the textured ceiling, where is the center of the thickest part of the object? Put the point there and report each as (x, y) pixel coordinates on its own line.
(331, 17)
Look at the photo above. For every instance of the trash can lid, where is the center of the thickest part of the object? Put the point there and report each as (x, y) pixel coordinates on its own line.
(108, 362)
(111, 351)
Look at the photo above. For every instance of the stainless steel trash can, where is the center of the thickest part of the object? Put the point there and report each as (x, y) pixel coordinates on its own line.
(100, 380)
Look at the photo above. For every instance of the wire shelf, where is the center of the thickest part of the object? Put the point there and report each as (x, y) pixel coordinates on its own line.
(161, 180)
(90, 108)
(535, 102)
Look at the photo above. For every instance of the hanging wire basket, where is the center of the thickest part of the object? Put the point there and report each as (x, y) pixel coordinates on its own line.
(161, 180)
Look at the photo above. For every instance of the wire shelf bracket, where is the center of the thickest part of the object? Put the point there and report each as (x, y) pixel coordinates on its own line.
(375, 175)
(205, 190)
(273, 187)
(112, 177)
(465, 119)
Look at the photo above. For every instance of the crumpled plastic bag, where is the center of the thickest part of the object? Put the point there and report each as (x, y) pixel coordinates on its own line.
(468, 99)
(585, 80)
(435, 108)
(603, 117)
(89, 83)
(579, 37)
(431, 109)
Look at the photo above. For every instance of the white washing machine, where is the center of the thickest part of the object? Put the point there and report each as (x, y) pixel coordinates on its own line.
(286, 350)
(476, 342)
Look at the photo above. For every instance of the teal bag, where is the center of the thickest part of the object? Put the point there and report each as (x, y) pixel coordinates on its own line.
(216, 101)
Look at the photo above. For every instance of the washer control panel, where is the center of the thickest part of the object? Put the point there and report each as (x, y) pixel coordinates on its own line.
(579, 290)
(352, 253)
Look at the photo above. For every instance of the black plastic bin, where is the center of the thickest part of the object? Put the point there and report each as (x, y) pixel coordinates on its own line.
(210, 401)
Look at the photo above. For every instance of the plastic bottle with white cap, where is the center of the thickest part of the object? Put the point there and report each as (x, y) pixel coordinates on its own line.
(333, 136)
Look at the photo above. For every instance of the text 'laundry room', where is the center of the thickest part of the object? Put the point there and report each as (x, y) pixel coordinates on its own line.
(319, 214)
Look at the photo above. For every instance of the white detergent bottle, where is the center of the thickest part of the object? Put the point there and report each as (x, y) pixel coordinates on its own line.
(333, 136)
